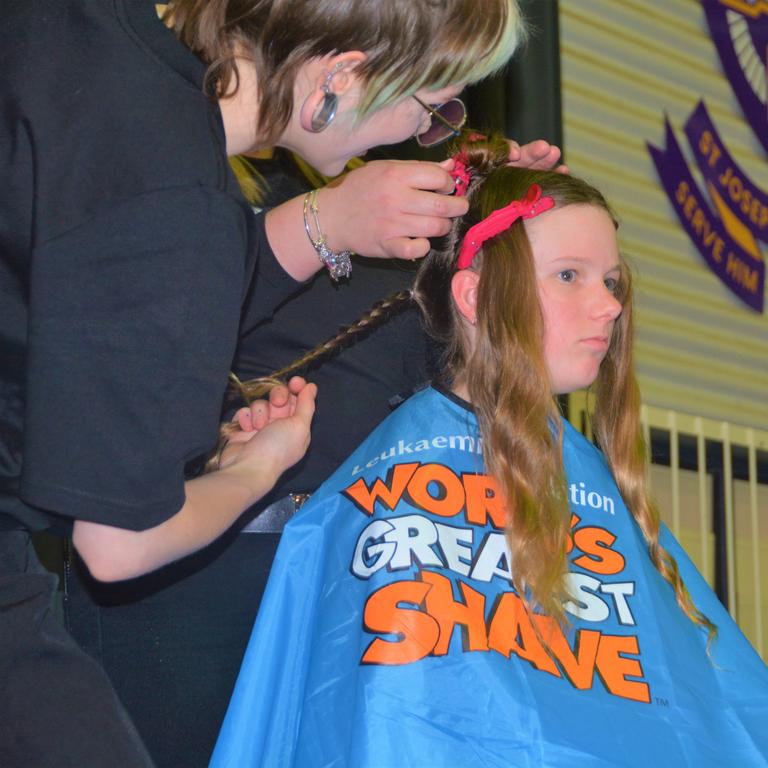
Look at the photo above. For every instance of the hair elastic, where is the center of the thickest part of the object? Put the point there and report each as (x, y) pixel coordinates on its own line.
(532, 204)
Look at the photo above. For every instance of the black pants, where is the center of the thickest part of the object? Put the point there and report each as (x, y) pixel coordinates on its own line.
(57, 707)
(172, 642)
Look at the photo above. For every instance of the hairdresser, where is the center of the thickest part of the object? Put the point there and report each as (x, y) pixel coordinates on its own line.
(126, 249)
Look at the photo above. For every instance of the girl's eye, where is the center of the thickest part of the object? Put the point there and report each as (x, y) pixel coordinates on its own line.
(567, 275)
(612, 284)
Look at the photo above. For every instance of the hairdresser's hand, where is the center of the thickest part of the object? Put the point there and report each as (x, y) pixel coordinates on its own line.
(389, 209)
(274, 430)
(384, 209)
(539, 154)
(281, 403)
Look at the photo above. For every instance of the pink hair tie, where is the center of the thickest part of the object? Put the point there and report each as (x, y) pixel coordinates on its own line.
(531, 205)
(460, 174)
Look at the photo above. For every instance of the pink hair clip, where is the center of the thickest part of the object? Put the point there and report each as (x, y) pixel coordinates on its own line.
(531, 205)
(460, 174)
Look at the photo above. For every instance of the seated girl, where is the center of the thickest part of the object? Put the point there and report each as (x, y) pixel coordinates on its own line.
(479, 585)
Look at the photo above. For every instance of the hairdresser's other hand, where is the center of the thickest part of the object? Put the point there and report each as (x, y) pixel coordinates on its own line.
(389, 208)
(276, 430)
(281, 403)
(539, 154)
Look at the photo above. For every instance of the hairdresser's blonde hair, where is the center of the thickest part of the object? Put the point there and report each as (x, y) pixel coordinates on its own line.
(409, 44)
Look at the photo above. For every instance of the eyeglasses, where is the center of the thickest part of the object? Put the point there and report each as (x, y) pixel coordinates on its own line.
(447, 121)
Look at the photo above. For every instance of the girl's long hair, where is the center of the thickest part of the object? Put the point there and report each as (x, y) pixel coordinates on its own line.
(508, 381)
(506, 375)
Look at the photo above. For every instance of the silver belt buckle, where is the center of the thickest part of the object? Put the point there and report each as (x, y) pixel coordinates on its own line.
(272, 519)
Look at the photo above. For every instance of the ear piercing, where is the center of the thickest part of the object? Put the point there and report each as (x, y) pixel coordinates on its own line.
(325, 113)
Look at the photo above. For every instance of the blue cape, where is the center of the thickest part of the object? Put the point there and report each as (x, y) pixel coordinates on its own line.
(390, 634)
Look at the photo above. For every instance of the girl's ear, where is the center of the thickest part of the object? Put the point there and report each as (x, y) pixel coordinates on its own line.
(338, 74)
(464, 291)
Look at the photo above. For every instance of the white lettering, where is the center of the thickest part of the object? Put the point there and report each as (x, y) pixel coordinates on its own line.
(621, 591)
(413, 537)
(452, 540)
(586, 604)
(370, 557)
(493, 559)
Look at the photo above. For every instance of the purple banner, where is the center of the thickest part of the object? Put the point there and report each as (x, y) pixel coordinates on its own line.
(740, 272)
(747, 201)
(748, 24)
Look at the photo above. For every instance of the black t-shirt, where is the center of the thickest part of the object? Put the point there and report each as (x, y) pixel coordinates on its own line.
(355, 385)
(125, 253)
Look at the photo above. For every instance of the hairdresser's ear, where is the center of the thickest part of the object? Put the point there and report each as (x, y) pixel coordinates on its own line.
(338, 72)
(464, 292)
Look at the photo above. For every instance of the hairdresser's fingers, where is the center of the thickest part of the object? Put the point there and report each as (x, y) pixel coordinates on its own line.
(385, 200)
(423, 225)
(259, 414)
(433, 177)
(408, 248)
(278, 396)
(445, 183)
(419, 229)
(305, 404)
(380, 178)
(296, 384)
(419, 202)
(244, 430)
(283, 442)
(283, 403)
(417, 174)
(539, 155)
(243, 419)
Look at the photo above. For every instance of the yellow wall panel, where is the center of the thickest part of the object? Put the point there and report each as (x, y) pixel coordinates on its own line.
(626, 64)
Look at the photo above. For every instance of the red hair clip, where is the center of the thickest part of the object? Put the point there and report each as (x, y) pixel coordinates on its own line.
(531, 205)
(460, 174)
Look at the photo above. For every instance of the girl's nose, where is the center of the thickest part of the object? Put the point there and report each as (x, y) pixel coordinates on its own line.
(608, 305)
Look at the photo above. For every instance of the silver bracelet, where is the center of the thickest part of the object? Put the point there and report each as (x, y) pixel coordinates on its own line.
(339, 264)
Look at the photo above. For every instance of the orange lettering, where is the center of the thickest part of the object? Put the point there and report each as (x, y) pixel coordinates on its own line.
(577, 664)
(417, 631)
(451, 499)
(598, 556)
(484, 500)
(449, 612)
(512, 632)
(613, 668)
(365, 498)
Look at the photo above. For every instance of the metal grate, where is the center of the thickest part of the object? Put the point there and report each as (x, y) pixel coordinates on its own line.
(710, 479)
